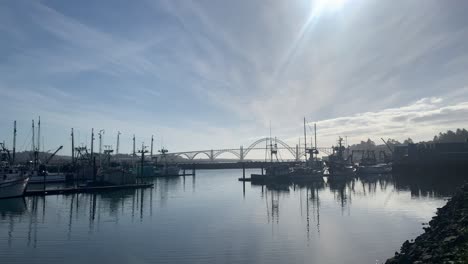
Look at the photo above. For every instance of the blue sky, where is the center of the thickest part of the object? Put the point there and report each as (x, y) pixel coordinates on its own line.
(213, 74)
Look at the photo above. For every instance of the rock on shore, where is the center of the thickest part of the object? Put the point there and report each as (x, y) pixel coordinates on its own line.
(445, 240)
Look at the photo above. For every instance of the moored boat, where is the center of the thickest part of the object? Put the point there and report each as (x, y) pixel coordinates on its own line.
(43, 176)
(381, 168)
(338, 166)
(13, 181)
(369, 165)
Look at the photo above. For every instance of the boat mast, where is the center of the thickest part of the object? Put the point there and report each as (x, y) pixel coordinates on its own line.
(73, 146)
(33, 137)
(152, 140)
(118, 142)
(14, 142)
(305, 140)
(101, 132)
(39, 136)
(134, 146)
(315, 140)
(92, 144)
(34, 149)
(271, 146)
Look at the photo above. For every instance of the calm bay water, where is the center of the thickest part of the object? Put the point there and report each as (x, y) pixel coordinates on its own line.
(213, 218)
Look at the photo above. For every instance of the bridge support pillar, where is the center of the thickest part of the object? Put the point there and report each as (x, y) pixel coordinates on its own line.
(211, 155)
(241, 153)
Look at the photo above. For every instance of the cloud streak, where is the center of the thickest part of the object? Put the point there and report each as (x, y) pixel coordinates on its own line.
(420, 120)
(222, 71)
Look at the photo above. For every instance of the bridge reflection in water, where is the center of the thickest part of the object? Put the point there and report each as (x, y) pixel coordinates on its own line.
(202, 215)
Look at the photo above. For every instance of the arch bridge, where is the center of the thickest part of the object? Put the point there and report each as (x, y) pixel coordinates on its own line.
(241, 153)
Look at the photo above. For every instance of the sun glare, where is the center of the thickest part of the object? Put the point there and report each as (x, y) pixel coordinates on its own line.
(328, 5)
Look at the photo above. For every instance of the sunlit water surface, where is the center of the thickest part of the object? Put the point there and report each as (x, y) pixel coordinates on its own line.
(213, 218)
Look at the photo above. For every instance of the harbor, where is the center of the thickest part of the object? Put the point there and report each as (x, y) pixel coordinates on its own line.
(189, 212)
(89, 170)
(269, 132)
(390, 178)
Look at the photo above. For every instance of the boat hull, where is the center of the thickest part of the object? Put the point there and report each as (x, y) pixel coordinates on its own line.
(167, 172)
(376, 169)
(13, 188)
(50, 178)
(345, 172)
(292, 177)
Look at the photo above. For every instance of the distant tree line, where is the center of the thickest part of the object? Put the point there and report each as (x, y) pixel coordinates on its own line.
(460, 135)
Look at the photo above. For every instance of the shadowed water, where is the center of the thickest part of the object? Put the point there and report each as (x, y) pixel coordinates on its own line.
(213, 218)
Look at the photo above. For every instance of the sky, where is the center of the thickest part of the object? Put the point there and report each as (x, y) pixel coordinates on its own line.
(210, 74)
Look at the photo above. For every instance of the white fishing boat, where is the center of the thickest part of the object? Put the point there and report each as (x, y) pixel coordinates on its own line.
(13, 181)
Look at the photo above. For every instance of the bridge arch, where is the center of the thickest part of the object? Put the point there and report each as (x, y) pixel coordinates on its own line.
(182, 154)
(215, 155)
(201, 152)
(279, 141)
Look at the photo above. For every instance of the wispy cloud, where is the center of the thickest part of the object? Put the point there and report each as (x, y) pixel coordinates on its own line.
(420, 120)
(226, 69)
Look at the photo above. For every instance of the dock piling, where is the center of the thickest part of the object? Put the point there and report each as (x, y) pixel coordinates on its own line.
(243, 170)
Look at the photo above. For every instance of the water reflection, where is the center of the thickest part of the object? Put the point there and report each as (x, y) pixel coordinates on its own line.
(14, 206)
(345, 190)
(317, 212)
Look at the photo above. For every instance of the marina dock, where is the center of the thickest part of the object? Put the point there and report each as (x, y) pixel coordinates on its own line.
(87, 189)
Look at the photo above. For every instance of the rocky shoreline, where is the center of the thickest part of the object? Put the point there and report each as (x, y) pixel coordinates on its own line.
(445, 239)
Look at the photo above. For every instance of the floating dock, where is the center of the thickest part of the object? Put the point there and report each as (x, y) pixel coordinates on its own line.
(245, 179)
(86, 189)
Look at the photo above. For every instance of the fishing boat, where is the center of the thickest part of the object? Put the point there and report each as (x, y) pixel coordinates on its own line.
(112, 173)
(381, 168)
(273, 172)
(305, 174)
(164, 169)
(369, 165)
(41, 175)
(338, 166)
(310, 171)
(13, 180)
